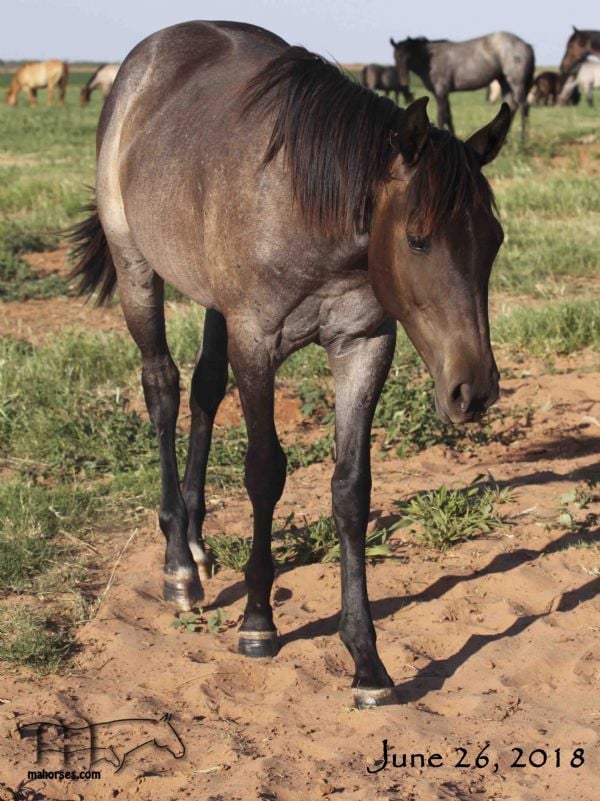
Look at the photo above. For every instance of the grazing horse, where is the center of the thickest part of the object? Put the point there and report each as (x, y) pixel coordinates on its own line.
(446, 67)
(297, 207)
(586, 78)
(38, 75)
(547, 87)
(375, 76)
(103, 78)
(579, 45)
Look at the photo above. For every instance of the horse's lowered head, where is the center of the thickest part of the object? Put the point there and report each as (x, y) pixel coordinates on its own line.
(10, 97)
(434, 237)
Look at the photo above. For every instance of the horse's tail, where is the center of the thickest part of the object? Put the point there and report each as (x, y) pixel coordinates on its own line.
(94, 268)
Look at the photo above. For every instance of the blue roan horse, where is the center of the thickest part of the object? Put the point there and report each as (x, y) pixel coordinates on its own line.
(446, 67)
(297, 207)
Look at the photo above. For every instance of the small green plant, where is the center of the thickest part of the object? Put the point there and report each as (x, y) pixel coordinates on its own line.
(443, 517)
(194, 621)
(575, 500)
(230, 552)
(318, 542)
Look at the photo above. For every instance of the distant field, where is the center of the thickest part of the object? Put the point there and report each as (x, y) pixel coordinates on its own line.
(76, 449)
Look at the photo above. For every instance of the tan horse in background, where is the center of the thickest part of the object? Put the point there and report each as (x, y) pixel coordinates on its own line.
(39, 75)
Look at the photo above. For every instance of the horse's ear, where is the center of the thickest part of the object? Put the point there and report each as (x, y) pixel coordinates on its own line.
(575, 30)
(393, 43)
(487, 142)
(414, 130)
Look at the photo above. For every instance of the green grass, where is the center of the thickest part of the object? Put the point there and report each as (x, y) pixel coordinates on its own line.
(444, 517)
(33, 638)
(555, 328)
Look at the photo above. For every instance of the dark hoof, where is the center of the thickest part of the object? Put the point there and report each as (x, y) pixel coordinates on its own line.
(186, 593)
(367, 698)
(258, 643)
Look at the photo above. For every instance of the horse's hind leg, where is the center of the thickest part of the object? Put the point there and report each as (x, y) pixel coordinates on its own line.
(265, 472)
(208, 389)
(141, 292)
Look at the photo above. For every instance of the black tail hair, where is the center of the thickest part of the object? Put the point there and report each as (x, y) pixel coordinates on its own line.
(94, 268)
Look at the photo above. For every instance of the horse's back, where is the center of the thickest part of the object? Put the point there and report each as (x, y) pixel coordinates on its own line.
(171, 128)
(38, 74)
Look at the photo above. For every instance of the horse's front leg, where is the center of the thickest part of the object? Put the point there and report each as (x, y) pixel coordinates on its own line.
(359, 369)
(265, 472)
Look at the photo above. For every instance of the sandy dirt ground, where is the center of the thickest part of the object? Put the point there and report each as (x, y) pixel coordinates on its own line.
(493, 642)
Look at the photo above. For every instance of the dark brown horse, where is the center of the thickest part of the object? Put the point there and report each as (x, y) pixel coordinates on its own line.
(546, 88)
(446, 67)
(579, 45)
(385, 79)
(297, 207)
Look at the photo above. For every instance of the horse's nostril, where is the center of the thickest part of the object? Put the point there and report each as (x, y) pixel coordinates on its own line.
(461, 397)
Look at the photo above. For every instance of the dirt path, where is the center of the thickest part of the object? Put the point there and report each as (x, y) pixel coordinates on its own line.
(495, 641)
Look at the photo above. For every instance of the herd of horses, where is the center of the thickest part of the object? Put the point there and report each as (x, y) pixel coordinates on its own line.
(297, 207)
(52, 74)
(501, 61)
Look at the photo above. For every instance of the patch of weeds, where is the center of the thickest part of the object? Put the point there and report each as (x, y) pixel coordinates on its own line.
(31, 637)
(556, 328)
(17, 280)
(227, 454)
(230, 552)
(301, 455)
(316, 401)
(571, 503)
(318, 542)
(216, 622)
(32, 519)
(443, 517)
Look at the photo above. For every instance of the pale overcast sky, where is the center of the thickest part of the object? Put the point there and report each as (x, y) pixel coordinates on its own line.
(347, 30)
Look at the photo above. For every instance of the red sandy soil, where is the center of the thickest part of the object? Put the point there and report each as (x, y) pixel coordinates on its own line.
(494, 641)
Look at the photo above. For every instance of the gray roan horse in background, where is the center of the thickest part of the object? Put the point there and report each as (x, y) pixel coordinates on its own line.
(377, 77)
(446, 67)
(297, 207)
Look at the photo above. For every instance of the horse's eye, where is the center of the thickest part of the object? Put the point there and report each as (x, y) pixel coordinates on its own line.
(416, 242)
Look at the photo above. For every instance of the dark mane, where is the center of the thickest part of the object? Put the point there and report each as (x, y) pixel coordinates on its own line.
(339, 141)
(447, 180)
(337, 137)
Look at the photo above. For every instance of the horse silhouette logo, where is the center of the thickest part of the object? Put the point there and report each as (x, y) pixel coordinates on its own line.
(111, 741)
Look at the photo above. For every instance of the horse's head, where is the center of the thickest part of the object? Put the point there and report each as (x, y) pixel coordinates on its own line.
(402, 55)
(433, 240)
(577, 49)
